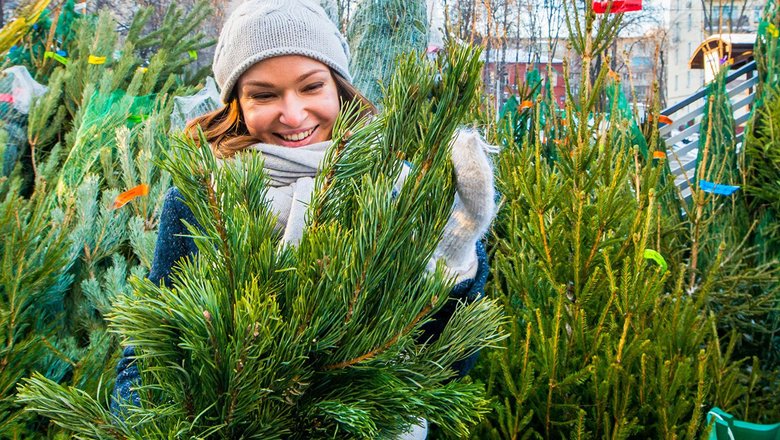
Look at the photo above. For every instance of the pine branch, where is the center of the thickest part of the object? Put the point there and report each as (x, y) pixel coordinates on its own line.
(373, 353)
(82, 415)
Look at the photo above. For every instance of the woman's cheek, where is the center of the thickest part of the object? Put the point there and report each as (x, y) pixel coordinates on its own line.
(254, 124)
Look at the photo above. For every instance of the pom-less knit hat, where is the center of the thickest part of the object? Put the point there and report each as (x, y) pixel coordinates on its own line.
(260, 29)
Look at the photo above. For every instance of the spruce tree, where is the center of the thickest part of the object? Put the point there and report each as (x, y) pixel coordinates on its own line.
(257, 338)
(615, 331)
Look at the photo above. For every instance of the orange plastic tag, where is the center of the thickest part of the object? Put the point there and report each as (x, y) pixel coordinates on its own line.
(130, 194)
(665, 119)
(659, 155)
(526, 104)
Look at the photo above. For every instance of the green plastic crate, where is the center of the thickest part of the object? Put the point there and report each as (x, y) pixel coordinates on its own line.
(726, 427)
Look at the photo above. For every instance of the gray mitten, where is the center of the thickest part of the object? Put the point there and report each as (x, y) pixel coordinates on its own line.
(474, 208)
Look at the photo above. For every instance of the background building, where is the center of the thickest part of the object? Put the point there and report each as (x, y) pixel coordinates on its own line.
(690, 23)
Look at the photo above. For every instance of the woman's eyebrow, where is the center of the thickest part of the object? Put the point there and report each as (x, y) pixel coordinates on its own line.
(258, 83)
(310, 73)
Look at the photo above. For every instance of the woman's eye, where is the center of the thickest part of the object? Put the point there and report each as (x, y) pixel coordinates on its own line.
(313, 87)
(262, 96)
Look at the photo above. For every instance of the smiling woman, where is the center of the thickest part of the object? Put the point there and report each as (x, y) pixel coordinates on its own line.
(283, 70)
(289, 100)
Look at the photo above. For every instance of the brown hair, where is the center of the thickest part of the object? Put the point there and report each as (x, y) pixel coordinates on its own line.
(227, 134)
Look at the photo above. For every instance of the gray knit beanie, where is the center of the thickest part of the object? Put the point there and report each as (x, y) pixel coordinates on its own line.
(260, 29)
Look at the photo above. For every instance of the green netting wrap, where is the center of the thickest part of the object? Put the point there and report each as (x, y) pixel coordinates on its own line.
(95, 137)
(619, 104)
(380, 31)
(519, 115)
(31, 50)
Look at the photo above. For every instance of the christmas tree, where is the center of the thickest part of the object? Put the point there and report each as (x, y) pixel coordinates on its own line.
(257, 338)
(379, 33)
(616, 329)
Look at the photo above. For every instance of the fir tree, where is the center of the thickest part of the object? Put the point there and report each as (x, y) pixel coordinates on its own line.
(70, 251)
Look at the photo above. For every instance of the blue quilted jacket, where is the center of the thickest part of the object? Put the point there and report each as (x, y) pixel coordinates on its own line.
(173, 244)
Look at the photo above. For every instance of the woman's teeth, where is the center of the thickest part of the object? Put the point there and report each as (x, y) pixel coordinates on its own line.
(298, 136)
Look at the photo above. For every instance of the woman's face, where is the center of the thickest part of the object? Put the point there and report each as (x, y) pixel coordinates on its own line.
(289, 100)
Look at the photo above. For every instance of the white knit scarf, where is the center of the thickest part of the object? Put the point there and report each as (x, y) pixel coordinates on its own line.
(291, 173)
(286, 165)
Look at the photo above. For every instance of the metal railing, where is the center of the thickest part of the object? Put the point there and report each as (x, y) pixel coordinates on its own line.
(682, 146)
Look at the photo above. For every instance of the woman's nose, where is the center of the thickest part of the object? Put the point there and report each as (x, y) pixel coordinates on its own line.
(293, 113)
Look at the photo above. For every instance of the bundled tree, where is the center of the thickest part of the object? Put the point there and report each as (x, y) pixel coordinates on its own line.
(379, 33)
(323, 331)
(759, 174)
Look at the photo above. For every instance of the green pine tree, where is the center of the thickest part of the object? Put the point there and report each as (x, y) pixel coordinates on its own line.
(256, 338)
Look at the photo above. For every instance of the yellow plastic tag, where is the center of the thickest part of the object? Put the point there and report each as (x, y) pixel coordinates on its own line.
(142, 69)
(96, 60)
(193, 54)
(772, 30)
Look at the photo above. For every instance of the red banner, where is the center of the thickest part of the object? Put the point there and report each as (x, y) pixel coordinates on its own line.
(617, 6)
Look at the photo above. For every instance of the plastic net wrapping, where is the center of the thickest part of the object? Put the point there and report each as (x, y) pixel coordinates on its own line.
(17, 90)
(380, 31)
(95, 135)
(186, 108)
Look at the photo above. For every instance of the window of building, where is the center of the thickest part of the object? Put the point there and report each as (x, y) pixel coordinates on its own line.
(676, 83)
(688, 82)
(690, 22)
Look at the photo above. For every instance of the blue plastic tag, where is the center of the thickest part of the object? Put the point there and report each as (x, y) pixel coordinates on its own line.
(717, 188)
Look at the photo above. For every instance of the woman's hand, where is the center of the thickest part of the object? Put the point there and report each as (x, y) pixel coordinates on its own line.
(475, 204)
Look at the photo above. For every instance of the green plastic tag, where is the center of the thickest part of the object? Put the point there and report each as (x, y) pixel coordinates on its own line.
(137, 118)
(655, 256)
(56, 57)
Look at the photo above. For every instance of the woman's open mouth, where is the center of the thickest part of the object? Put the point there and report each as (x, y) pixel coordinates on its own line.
(296, 139)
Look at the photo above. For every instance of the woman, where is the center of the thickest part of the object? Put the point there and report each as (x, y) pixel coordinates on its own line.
(283, 70)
